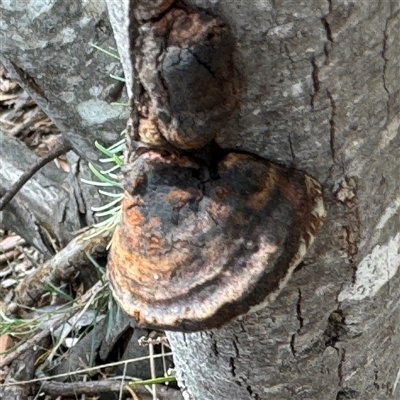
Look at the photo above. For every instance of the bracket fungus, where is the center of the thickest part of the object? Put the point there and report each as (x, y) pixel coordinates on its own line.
(206, 234)
(184, 62)
(196, 249)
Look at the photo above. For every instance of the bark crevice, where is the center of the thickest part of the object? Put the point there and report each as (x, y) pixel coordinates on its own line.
(298, 310)
(315, 79)
(332, 131)
(341, 366)
(292, 345)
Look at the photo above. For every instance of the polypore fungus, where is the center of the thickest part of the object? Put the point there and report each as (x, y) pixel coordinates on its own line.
(185, 68)
(195, 251)
(206, 234)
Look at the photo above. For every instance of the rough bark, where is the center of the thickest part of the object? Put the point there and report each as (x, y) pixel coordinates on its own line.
(53, 205)
(37, 210)
(47, 49)
(72, 259)
(22, 369)
(318, 93)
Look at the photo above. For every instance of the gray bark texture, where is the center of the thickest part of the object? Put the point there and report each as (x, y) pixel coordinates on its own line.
(46, 48)
(316, 89)
(53, 205)
(40, 204)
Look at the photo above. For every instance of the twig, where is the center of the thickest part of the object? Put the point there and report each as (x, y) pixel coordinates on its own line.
(132, 393)
(33, 116)
(57, 323)
(93, 388)
(123, 385)
(152, 369)
(59, 149)
(89, 388)
(84, 370)
(86, 305)
(22, 369)
(12, 246)
(8, 256)
(4, 121)
(62, 265)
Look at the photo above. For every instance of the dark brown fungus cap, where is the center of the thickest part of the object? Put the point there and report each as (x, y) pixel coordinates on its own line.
(184, 62)
(192, 253)
(145, 9)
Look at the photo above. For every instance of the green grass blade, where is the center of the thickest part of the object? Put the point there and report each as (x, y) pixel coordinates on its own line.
(97, 183)
(103, 149)
(53, 289)
(105, 51)
(107, 171)
(108, 205)
(153, 381)
(120, 104)
(113, 211)
(117, 78)
(119, 195)
(117, 145)
(102, 177)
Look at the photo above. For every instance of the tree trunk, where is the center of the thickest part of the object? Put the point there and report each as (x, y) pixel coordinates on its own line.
(49, 53)
(316, 89)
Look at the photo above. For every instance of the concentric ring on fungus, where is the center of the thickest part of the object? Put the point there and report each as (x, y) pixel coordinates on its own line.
(193, 253)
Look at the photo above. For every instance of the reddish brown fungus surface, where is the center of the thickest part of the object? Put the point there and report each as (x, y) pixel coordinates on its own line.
(193, 252)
